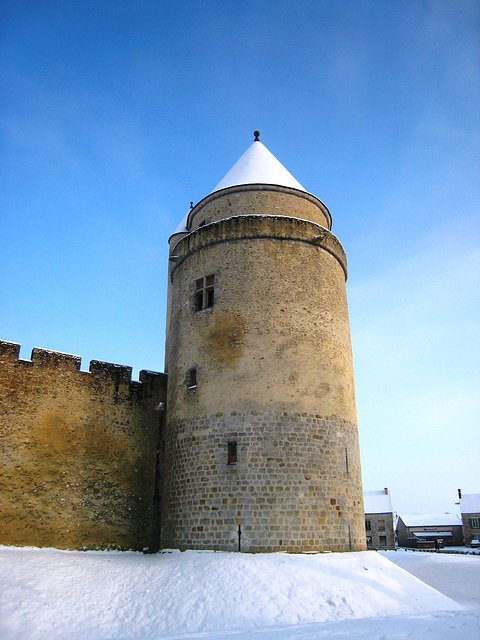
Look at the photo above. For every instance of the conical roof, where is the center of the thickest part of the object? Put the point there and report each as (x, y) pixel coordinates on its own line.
(258, 166)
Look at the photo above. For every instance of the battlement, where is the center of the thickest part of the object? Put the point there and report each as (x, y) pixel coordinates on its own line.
(66, 362)
(48, 358)
(117, 372)
(82, 446)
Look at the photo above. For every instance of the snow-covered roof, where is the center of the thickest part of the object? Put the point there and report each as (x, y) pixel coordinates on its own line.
(432, 534)
(377, 501)
(470, 503)
(258, 166)
(182, 227)
(435, 520)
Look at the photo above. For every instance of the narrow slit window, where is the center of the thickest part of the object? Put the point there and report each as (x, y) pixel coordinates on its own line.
(232, 453)
(204, 292)
(346, 460)
(209, 291)
(199, 294)
(192, 377)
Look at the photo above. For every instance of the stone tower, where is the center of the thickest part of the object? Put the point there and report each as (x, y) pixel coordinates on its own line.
(261, 442)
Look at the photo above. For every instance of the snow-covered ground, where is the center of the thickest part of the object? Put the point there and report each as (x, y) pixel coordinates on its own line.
(68, 595)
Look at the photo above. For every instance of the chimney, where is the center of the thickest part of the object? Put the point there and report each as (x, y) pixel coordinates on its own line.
(386, 491)
(459, 493)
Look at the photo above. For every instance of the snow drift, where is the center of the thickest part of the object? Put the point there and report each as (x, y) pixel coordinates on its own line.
(78, 595)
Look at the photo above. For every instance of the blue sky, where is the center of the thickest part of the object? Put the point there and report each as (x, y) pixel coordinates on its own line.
(117, 114)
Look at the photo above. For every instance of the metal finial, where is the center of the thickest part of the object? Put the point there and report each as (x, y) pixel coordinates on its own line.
(191, 205)
(257, 136)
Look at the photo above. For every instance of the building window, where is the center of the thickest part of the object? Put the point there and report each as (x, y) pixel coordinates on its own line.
(369, 542)
(474, 523)
(382, 541)
(232, 453)
(204, 292)
(381, 525)
(368, 525)
(192, 377)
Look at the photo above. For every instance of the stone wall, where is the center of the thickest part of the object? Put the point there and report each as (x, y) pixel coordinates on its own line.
(273, 375)
(79, 452)
(294, 487)
(469, 531)
(278, 334)
(381, 534)
(254, 199)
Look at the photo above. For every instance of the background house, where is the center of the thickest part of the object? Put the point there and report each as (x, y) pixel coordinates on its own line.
(423, 530)
(379, 525)
(470, 510)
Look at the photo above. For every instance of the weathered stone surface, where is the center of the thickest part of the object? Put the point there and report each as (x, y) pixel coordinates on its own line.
(295, 485)
(274, 374)
(253, 199)
(79, 452)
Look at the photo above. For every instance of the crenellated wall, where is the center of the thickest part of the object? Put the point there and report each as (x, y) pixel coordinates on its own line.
(79, 452)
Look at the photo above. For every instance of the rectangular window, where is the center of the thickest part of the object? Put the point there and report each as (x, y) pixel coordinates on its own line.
(199, 294)
(192, 377)
(383, 541)
(369, 542)
(204, 292)
(232, 453)
(474, 523)
(381, 525)
(368, 525)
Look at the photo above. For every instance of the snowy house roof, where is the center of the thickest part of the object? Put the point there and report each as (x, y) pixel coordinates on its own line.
(377, 501)
(257, 166)
(435, 520)
(470, 503)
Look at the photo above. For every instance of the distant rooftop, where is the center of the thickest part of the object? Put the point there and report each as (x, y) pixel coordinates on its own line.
(470, 503)
(377, 501)
(429, 520)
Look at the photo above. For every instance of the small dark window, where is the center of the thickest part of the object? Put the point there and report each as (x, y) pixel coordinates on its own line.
(368, 525)
(232, 453)
(204, 292)
(192, 377)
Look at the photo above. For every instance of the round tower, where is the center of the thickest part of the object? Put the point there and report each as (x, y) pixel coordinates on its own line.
(261, 445)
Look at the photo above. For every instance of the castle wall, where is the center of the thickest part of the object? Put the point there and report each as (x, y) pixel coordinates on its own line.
(79, 452)
(291, 489)
(278, 334)
(274, 375)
